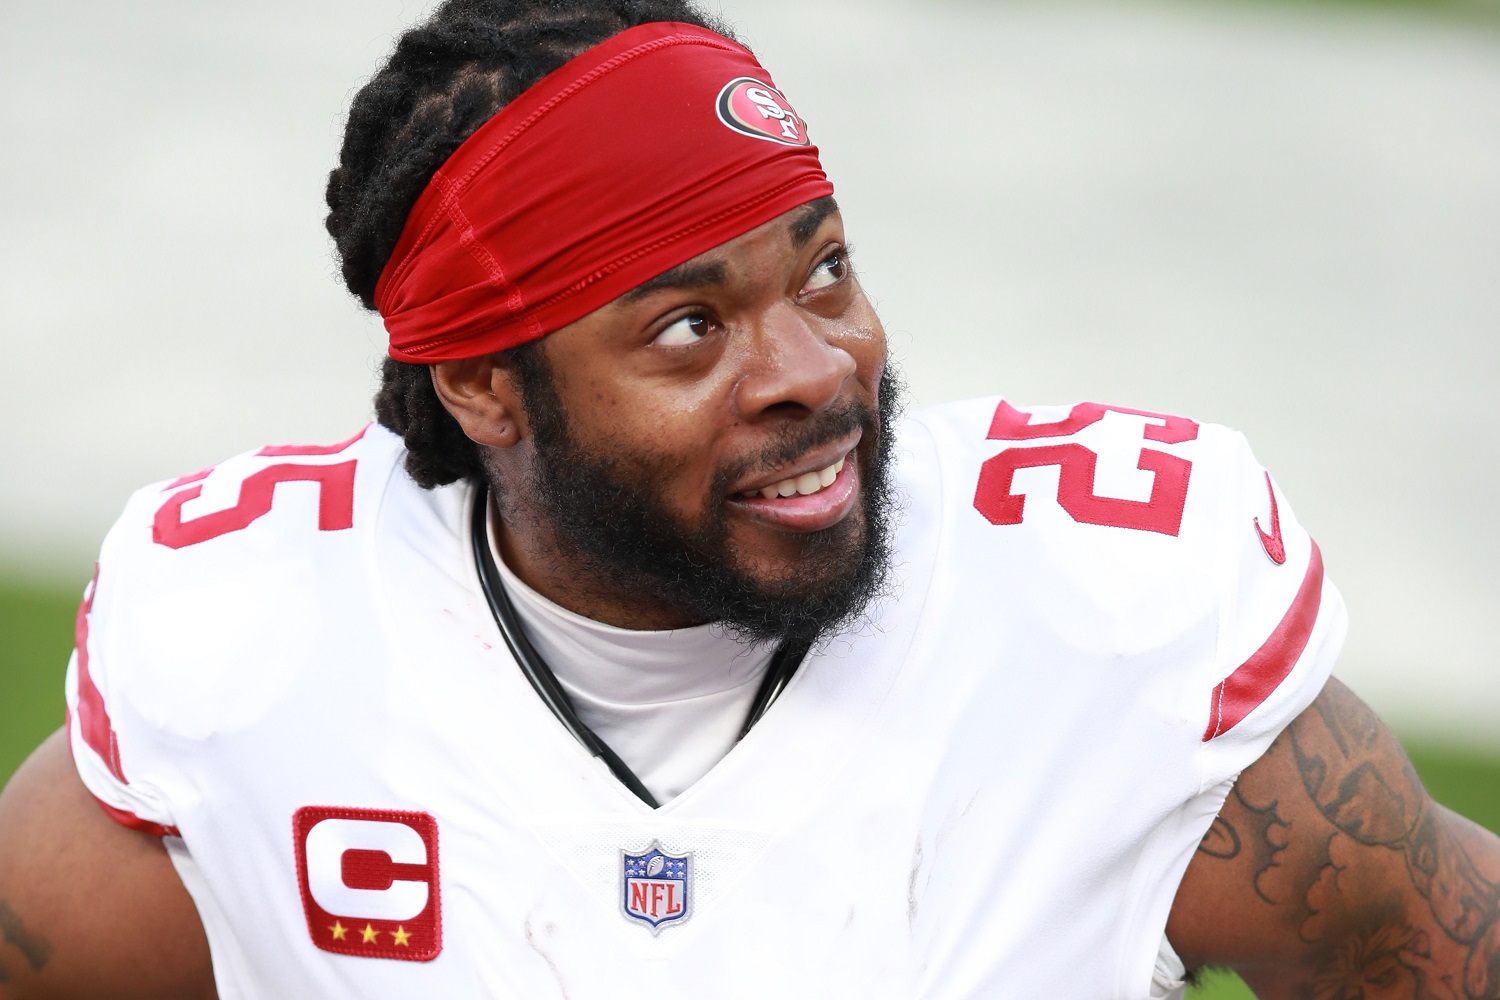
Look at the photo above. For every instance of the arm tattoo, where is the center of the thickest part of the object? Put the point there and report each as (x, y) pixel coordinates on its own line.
(1222, 840)
(1383, 893)
(1363, 784)
(34, 947)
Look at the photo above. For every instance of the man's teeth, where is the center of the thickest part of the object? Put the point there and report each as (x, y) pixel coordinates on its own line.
(805, 484)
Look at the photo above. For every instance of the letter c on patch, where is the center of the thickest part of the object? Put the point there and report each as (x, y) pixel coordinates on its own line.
(333, 843)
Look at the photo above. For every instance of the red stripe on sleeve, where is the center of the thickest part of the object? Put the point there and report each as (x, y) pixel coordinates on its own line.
(127, 818)
(94, 724)
(93, 717)
(1253, 681)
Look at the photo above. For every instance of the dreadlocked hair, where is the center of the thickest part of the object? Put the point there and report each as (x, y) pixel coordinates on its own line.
(446, 77)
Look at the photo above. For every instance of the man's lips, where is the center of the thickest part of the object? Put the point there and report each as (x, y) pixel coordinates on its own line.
(814, 471)
(819, 508)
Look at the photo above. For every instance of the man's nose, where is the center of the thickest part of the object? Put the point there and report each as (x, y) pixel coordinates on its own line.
(797, 365)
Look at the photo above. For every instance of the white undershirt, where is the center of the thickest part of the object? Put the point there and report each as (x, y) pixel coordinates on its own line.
(669, 703)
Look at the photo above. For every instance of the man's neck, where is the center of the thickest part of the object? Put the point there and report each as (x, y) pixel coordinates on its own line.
(670, 703)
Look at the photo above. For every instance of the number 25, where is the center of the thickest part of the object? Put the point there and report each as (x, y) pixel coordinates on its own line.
(1075, 483)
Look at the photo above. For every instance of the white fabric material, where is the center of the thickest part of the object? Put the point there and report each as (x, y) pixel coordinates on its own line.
(990, 788)
(1167, 977)
(669, 703)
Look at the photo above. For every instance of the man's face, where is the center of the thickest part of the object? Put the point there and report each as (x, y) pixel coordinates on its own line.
(659, 423)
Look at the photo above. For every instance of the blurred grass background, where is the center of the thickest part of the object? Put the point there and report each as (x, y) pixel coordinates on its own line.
(36, 635)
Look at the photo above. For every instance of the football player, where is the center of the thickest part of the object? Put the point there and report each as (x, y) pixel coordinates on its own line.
(642, 649)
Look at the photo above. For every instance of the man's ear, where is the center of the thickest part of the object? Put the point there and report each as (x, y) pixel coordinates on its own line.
(482, 396)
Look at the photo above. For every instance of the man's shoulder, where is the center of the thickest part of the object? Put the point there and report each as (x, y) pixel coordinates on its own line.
(217, 594)
(274, 490)
(1122, 539)
(1145, 524)
(258, 524)
(254, 563)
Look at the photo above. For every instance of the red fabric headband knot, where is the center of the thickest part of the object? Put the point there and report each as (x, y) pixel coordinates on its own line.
(647, 150)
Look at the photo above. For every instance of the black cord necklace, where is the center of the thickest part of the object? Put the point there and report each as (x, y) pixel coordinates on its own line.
(784, 661)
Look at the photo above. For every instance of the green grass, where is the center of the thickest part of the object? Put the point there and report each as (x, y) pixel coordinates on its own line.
(36, 634)
(1465, 781)
(1217, 985)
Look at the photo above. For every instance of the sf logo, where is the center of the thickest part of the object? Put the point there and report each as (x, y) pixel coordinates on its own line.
(369, 881)
(769, 107)
(754, 108)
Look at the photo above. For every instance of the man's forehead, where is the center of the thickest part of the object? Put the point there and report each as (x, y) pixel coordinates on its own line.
(704, 270)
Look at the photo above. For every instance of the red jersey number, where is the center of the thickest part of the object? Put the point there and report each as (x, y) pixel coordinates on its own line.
(258, 492)
(335, 504)
(1076, 466)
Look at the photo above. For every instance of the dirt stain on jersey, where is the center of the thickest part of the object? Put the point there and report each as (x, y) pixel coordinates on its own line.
(911, 886)
(531, 943)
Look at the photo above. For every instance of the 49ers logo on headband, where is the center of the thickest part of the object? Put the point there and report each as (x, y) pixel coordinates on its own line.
(369, 881)
(753, 108)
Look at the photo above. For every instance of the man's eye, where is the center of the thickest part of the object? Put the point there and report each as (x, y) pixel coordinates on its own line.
(688, 330)
(829, 272)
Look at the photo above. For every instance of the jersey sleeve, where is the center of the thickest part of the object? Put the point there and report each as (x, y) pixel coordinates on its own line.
(207, 597)
(1157, 555)
(1147, 615)
(1280, 626)
(92, 736)
(1281, 620)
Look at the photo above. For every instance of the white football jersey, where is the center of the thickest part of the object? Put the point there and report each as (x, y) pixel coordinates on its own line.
(990, 788)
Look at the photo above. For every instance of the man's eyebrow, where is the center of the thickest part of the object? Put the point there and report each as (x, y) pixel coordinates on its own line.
(813, 214)
(686, 275)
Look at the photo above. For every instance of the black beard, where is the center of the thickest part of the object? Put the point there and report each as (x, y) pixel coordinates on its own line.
(609, 521)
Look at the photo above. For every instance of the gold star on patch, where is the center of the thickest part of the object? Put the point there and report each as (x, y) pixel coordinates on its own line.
(339, 930)
(370, 934)
(401, 936)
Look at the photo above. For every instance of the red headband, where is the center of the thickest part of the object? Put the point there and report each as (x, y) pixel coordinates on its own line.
(647, 150)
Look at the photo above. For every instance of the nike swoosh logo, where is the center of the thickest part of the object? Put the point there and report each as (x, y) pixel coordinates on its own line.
(1273, 544)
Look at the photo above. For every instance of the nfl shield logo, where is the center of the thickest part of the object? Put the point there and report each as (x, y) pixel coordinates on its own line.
(655, 886)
